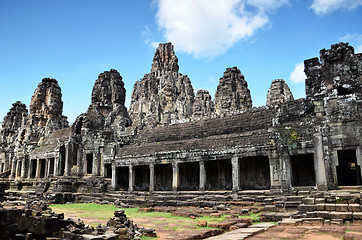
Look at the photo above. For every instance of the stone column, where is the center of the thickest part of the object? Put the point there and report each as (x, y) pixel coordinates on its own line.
(359, 157)
(79, 161)
(114, 183)
(175, 176)
(24, 167)
(17, 168)
(37, 173)
(235, 174)
(152, 177)
(30, 170)
(47, 170)
(96, 163)
(67, 160)
(130, 178)
(286, 166)
(202, 176)
(319, 165)
(57, 165)
(13, 169)
(101, 162)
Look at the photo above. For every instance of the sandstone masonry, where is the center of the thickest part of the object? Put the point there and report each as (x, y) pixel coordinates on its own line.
(172, 140)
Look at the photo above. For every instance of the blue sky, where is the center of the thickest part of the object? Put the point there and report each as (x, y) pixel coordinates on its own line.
(74, 41)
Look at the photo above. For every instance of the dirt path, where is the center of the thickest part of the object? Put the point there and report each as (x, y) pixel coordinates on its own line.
(312, 232)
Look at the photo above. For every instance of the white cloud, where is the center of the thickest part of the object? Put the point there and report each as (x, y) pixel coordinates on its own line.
(355, 40)
(323, 7)
(298, 75)
(207, 28)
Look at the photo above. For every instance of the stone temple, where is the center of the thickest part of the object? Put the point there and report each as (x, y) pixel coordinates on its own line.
(171, 140)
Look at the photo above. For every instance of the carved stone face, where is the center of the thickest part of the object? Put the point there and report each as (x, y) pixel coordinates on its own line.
(197, 107)
(225, 102)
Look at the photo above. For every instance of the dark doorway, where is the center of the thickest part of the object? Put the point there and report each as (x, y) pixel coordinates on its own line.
(189, 176)
(122, 178)
(218, 175)
(18, 171)
(51, 167)
(163, 177)
(348, 172)
(303, 173)
(254, 173)
(141, 178)
(62, 161)
(42, 168)
(108, 170)
(75, 155)
(33, 168)
(89, 159)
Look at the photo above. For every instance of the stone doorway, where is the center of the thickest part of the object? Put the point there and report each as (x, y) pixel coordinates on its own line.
(141, 178)
(189, 176)
(51, 166)
(163, 177)
(123, 178)
(89, 164)
(33, 164)
(348, 171)
(42, 168)
(218, 175)
(303, 173)
(62, 161)
(254, 173)
(108, 170)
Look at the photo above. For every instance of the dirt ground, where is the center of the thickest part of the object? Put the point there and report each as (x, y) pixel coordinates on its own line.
(313, 232)
(165, 230)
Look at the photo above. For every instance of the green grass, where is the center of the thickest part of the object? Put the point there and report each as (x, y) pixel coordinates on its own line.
(104, 212)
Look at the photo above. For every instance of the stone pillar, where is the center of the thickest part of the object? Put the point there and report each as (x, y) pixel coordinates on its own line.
(202, 176)
(57, 165)
(47, 170)
(24, 166)
(30, 170)
(152, 177)
(38, 167)
(101, 162)
(286, 166)
(359, 157)
(175, 176)
(79, 161)
(17, 168)
(67, 160)
(130, 178)
(96, 163)
(319, 165)
(335, 163)
(13, 169)
(235, 174)
(114, 184)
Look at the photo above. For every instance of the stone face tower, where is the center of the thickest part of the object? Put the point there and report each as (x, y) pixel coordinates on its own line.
(46, 106)
(163, 96)
(278, 93)
(107, 107)
(13, 121)
(232, 94)
(203, 105)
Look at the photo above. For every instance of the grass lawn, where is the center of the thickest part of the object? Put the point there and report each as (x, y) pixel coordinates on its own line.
(95, 214)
